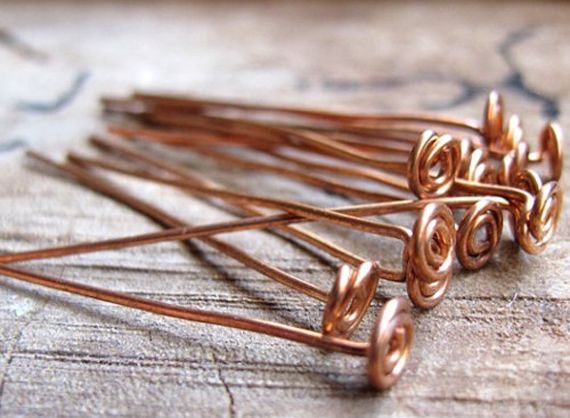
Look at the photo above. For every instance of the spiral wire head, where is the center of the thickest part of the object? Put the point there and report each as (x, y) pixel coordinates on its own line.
(513, 163)
(433, 165)
(478, 168)
(466, 148)
(493, 122)
(349, 299)
(551, 145)
(429, 255)
(535, 221)
(473, 250)
(390, 343)
(499, 138)
(528, 181)
(512, 136)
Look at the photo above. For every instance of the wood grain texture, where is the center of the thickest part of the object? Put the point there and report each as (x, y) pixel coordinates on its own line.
(498, 346)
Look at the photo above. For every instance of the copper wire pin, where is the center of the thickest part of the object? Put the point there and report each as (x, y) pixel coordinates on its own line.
(387, 351)
(346, 304)
(473, 253)
(427, 275)
(479, 169)
(499, 137)
(536, 208)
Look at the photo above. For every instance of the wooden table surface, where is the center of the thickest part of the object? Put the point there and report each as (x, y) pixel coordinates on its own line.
(499, 345)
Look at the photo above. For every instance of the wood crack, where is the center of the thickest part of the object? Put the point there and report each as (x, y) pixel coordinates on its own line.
(516, 80)
(12, 347)
(63, 100)
(227, 389)
(18, 46)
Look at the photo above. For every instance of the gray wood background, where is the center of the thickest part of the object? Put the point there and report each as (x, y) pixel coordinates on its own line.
(498, 346)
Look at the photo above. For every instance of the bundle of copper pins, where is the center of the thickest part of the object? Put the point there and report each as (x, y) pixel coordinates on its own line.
(455, 178)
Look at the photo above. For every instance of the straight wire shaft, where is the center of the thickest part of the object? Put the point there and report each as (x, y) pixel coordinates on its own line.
(186, 232)
(198, 315)
(346, 304)
(106, 188)
(388, 350)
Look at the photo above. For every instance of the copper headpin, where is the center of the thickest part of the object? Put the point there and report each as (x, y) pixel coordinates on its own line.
(423, 269)
(535, 208)
(352, 292)
(473, 252)
(394, 327)
(493, 221)
(482, 169)
(387, 351)
(427, 273)
(472, 164)
(498, 137)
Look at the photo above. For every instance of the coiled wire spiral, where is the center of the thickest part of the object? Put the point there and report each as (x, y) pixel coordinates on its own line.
(551, 147)
(349, 298)
(500, 139)
(535, 208)
(429, 255)
(476, 167)
(433, 165)
(391, 343)
(536, 219)
(473, 250)
(512, 164)
(503, 141)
